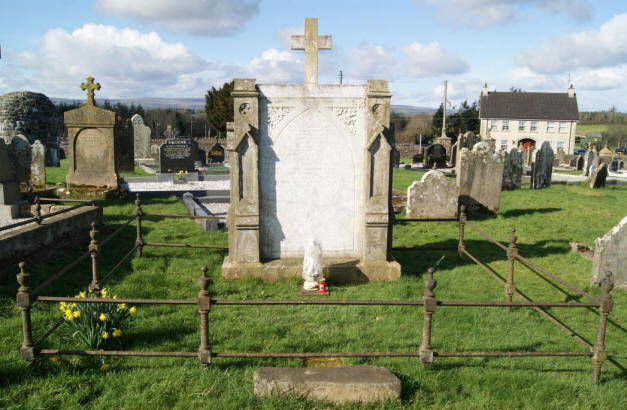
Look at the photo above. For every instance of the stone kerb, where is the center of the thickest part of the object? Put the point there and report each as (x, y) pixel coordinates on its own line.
(610, 255)
(480, 178)
(433, 196)
(513, 169)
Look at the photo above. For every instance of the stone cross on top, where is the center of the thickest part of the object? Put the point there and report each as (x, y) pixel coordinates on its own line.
(90, 86)
(311, 42)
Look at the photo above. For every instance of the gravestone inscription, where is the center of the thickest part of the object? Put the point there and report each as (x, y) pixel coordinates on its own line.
(177, 154)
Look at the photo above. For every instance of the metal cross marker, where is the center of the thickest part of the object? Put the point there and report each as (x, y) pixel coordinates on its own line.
(311, 42)
(90, 86)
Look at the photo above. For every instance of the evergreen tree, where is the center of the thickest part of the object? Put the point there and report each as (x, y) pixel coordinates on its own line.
(219, 107)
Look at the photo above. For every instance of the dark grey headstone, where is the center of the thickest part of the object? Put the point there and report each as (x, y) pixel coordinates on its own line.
(435, 154)
(543, 167)
(513, 169)
(599, 176)
(177, 154)
(216, 154)
(580, 162)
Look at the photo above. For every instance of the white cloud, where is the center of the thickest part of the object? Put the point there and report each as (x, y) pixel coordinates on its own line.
(284, 35)
(484, 13)
(432, 59)
(199, 17)
(273, 66)
(370, 61)
(125, 61)
(588, 49)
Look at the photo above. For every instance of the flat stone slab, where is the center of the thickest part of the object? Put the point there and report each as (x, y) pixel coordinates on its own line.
(363, 384)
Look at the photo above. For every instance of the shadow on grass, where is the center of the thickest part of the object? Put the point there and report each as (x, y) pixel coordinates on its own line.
(512, 213)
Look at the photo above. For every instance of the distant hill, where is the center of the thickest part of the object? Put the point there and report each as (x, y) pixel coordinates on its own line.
(199, 104)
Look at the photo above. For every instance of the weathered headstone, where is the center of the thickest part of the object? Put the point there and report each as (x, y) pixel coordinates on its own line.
(480, 178)
(141, 137)
(543, 167)
(92, 141)
(610, 255)
(513, 169)
(597, 180)
(454, 154)
(614, 165)
(395, 158)
(20, 157)
(588, 159)
(435, 154)
(580, 162)
(561, 156)
(14, 168)
(177, 154)
(124, 146)
(432, 197)
(38, 165)
(466, 140)
(310, 161)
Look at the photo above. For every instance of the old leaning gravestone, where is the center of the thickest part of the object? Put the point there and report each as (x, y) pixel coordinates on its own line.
(92, 143)
(513, 169)
(543, 167)
(480, 178)
(432, 197)
(588, 161)
(610, 255)
(141, 138)
(38, 165)
(308, 162)
(599, 176)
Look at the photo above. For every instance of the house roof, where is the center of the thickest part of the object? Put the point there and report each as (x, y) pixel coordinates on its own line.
(529, 106)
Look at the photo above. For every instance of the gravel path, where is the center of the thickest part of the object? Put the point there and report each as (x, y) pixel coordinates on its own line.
(169, 186)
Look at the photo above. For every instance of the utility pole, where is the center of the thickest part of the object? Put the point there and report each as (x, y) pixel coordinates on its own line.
(341, 77)
(444, 111)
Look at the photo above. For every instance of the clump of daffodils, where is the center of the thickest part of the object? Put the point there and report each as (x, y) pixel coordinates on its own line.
(97, 323)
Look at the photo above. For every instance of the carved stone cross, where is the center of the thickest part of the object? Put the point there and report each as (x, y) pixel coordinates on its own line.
(311, 42)
(90, 86)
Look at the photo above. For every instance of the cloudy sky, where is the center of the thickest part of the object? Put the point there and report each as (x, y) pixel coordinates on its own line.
(163, 48)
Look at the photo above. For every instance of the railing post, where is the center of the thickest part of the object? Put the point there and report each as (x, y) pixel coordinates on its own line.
(204, 304)
(23, 299)
(511, 252)
(428, 307)
(139, 242)
(599, 354)
(37, 213)
(93, 250)
(460, 244)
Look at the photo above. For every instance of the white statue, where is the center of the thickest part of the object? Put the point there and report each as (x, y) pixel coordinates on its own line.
(312, 265)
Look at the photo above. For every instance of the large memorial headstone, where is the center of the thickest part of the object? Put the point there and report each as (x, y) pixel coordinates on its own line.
(543, 167)
(91, 143)
(480, 179)
(177, 154)
(432, 197)
(610, 255)
(141, 138)
(513, 169)
(38, 165)
(310, 161)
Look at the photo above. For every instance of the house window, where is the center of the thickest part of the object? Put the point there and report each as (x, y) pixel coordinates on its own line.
(493, 124)
(563, 126)
(534, 126)
(505, 125)
(504, 145)
(550, 126)
(560, 145)
(521, 125)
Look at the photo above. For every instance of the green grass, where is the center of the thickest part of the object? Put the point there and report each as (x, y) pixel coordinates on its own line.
(592, 127)
(546, 220)
(55, 175)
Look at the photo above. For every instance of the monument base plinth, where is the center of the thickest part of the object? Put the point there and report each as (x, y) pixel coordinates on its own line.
(335, 270)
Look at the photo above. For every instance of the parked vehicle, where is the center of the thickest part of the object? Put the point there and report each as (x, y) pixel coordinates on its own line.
(580, 151)
(621, 150)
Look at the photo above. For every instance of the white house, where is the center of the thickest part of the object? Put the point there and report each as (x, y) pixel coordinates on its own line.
(514, 118)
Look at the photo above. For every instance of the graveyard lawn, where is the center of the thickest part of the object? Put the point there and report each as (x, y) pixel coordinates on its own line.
(55, 175)
(546, 220)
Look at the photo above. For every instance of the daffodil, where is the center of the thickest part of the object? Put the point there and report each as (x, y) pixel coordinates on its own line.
(115, 296)
(76, 313)
(103, 292)
(103, 317)
(82, 294)
(122, 306)
(104, 367)
(69, 315)
(55, 360)
(132, 310)
(105, 335)
(116, 333)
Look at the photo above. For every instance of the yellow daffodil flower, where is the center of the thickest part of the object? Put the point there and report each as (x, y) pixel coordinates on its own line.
(55, 360)
(76, 313)
(69, 315)
(103, 292)
(116, 333)
(103, 317)
(115, 296)
(82, 294)
(105, 335)
(104, 367)
(132, 310)
(122, 306)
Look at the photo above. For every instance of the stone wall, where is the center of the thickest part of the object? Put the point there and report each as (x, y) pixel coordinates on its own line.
(409, 150)
(34, 116)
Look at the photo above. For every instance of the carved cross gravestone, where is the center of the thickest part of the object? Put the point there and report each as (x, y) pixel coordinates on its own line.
(310, 162)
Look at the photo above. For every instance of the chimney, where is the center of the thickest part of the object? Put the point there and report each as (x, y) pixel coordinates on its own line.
(484, 90)
(571, 91)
